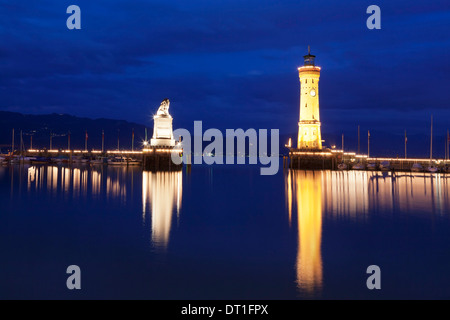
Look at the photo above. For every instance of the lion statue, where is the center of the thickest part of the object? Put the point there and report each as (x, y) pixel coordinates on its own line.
(163, 109)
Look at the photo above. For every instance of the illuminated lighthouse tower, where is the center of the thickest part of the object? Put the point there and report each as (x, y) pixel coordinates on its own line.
(309, 137)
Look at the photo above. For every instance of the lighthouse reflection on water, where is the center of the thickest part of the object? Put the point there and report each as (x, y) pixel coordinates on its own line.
(314, 199)
(304, 197)
(315, 196)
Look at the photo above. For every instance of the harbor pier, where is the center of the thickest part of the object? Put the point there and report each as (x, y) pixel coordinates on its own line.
(150, 158)
(332, 159)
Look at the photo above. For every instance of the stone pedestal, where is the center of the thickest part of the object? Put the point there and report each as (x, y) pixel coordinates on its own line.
(160, 159)
(162, 131)
(158, 155)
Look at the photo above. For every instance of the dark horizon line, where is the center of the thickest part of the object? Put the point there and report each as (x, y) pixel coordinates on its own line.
(70, 115)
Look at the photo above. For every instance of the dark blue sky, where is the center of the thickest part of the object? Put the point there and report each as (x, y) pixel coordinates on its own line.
(230, 63)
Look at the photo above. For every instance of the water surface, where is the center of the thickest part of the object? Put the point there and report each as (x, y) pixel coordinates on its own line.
(222, 232)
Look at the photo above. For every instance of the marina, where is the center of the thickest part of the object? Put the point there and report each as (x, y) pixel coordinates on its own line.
(151, 158)
(339, 160)
(156, 154)
(148, 159)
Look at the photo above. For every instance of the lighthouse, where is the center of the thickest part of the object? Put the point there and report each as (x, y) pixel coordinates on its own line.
(309, 135)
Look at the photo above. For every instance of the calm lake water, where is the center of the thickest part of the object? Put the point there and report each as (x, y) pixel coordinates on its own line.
(222, 232)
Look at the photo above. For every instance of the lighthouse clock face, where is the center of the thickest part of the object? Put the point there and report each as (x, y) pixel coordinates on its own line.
(312, 93)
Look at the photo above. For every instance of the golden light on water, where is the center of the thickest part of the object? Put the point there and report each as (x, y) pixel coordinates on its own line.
(346, 194)
(163, 192)
(76, 181)
(288, 191)
(116, 186)
(96, 182)
(352, 196)
(306, 186)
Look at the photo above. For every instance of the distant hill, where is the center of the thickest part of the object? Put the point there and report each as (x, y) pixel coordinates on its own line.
(58, 125)
(41, 126)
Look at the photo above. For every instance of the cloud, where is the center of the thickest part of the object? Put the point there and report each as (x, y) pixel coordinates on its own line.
(227, 62)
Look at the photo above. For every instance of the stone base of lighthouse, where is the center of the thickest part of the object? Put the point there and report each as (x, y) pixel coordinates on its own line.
(313, 160)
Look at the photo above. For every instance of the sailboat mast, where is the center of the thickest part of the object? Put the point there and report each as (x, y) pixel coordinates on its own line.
(406, 143)
(358, 141)
(431, 139)
(118, 139)
(132, 140)
(445, 148)
(448, 145)
(68, 141)
(21, 143)
(12, 146)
